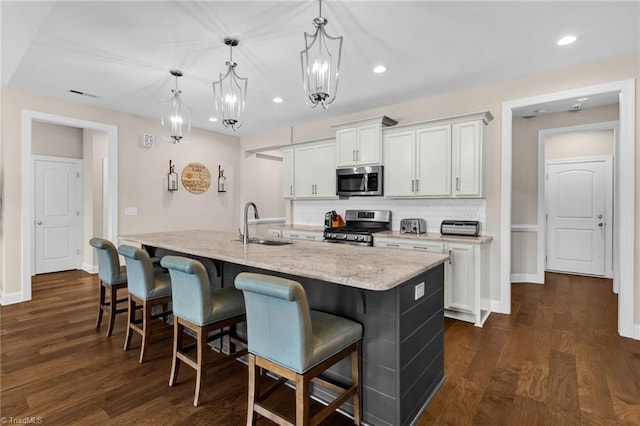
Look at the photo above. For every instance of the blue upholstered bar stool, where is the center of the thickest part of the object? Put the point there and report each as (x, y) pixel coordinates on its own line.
(111, 278)
(199, 309)
(146, 289)
(296, 343)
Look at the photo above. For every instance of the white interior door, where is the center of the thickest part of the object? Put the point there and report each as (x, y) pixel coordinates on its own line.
(57, 213)
(576, 222)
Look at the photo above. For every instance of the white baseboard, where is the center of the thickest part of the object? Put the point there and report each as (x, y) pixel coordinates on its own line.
(91, 269)
(496, 306)
(526, 278)
(636, 331)
(11, 298)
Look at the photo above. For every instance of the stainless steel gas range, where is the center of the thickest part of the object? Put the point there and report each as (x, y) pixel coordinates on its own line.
(360, 225)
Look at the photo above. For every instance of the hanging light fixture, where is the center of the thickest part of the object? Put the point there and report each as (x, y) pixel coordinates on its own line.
(230, 92)
(175, 115)
(320, 64)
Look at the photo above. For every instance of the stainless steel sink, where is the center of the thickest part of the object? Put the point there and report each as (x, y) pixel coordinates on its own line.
(267, 242)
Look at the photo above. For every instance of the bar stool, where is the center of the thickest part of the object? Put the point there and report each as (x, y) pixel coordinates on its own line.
(146, 289)
(197, 308)
(297, 344)
(111, 278)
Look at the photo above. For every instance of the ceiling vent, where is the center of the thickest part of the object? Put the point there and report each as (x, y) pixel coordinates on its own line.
(90, 95)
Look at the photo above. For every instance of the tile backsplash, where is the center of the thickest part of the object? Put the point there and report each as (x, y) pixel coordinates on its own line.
(433, 211)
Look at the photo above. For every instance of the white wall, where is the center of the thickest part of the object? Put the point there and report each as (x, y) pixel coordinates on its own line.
(55, 140)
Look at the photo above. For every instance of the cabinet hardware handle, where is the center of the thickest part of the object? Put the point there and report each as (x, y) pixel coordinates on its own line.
(310, 237)
(290, 189)
(457, 184)
(417, 185)
(421, 248)
(413, 185)
(450, 257)
(392, 245)
(357, 155)
(294, 236)
(353, 155)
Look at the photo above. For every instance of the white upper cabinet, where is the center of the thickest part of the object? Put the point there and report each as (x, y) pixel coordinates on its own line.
(314, 170)
(287, 173)
(359, 143)
(439, 159)
(468, 158)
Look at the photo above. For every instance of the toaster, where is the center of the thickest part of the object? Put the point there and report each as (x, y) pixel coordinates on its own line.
(413, 226)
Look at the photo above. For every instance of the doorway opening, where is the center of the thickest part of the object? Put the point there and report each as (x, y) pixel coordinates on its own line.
(624, 200)
(27, 186)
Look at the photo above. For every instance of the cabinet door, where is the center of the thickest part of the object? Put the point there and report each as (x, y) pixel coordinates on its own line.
(346, 146)
(433, 162)
(305, 172)
(287, 173)
(399, 164)
(458, 273)
(369, 144)
(326, 171)
(467, 159)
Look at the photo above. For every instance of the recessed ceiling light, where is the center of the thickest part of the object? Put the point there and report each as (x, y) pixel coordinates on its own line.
(277, 100)
(566, 40)
(582, 99)
(379, 69)
(213, 119)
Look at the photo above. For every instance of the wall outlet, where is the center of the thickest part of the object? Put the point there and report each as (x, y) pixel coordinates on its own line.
(419, 290)
(131, 211)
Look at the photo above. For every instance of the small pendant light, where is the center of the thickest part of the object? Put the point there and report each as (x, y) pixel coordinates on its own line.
(175, 115)
(230, 92)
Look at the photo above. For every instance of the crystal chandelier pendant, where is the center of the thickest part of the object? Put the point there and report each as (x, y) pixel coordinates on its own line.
(230, 92)
(175, 115)
(320, 61)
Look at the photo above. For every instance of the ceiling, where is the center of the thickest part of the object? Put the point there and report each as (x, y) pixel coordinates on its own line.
(122, 51)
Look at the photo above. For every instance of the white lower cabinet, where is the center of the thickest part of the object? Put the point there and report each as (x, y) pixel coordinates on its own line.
(466, 275)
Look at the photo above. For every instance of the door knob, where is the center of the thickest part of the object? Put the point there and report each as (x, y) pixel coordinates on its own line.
(39, 222)
(599, 216)
(600, 224)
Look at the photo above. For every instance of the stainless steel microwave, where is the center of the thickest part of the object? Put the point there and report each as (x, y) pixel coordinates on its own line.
(359, 181)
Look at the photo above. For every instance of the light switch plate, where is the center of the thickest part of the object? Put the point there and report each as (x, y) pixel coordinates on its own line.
(131, 211)
(147, 141)
(419, 290)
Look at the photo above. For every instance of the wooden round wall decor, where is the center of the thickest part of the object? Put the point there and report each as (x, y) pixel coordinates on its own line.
(196, 178)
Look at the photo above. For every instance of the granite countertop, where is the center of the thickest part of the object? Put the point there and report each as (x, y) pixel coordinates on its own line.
(369, 268)
(307, 228)
(431, 236)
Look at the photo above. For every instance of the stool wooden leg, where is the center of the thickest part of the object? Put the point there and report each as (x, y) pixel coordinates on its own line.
(302, 400)
(356, 369)
(100, 305)
(146, 325)
(254, 390)
(113, 304)
(130, 321)
(177, 347)
(201, 343)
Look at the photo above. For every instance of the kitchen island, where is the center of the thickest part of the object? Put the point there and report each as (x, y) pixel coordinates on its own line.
(397, 297)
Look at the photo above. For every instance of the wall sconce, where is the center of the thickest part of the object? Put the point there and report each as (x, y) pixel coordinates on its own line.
(222, 181)
(172, 181)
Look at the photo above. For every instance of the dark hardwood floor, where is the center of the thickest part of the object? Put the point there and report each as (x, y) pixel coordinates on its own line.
(556, 360)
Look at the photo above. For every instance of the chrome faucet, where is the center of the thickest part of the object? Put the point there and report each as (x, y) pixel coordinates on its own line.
(245, 236)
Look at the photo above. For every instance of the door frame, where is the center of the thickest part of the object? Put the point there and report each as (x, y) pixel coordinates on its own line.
(542, 198)
(608, 199)
(28, 116)
(79, 169)
(624, 202)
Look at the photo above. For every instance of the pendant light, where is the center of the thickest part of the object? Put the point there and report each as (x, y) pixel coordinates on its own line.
(230, 92)
(175, 115)
(320, 64)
